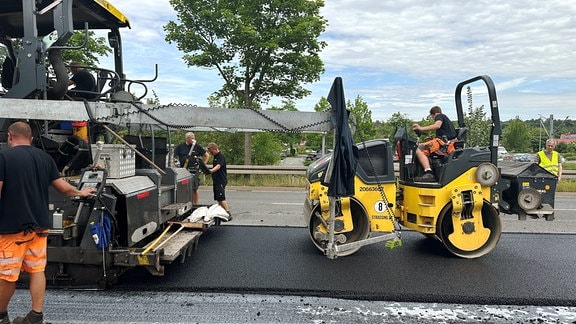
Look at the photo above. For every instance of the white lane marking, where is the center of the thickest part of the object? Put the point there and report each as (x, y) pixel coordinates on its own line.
(288, 203)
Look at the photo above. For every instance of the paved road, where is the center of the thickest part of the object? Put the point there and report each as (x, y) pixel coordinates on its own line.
(256, 269)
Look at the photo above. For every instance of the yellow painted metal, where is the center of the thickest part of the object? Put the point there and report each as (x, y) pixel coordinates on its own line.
(156, 241)
(346, 215)
(420, 207)
(143, 260)
(113, 11)
(343, 215)
(477, 235)
(378, 211)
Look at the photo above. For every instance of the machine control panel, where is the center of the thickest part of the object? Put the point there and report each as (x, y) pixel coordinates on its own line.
(93, 179)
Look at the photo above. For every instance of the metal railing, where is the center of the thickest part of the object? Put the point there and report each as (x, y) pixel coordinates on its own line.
(301, 170)
(265, 169)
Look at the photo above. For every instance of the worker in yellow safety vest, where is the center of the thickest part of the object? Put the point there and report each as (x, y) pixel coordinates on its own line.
(550, 159)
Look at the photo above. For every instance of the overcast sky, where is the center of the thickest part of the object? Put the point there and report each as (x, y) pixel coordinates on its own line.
(400, 56)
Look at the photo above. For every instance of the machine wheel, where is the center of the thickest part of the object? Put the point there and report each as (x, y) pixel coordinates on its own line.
(361, 229)
(482, 237)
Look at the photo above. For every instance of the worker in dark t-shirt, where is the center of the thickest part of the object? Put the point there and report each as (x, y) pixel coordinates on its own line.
(83, 82)
(26, 172)
(445, 132)
(219, 177)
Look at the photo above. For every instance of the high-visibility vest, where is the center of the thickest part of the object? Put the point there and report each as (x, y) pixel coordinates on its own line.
(551, 165)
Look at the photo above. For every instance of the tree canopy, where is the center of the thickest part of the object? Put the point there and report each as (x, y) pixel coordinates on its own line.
(363, 125)
(260, 48)
(88, 55)
(478, 127)
(516, 136)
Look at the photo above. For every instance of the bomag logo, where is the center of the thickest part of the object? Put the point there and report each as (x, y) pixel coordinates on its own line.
(364, 189)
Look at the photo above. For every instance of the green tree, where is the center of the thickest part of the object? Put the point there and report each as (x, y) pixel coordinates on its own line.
(314, 141)
(155, 100)
(561, 148)
(516, 136)
(266, 149)
(323, 105)
(478, 127)
(396, 121)
(88, 55)
(260, 48)
(228, 143)
(362, 122)
(381, 129)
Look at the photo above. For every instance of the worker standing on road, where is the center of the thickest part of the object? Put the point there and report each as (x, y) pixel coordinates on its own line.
(188, 153)
(26, 172)
(549, 159)
(219, 177)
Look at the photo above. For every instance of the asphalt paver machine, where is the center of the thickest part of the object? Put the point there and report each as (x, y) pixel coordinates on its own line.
(139, 217)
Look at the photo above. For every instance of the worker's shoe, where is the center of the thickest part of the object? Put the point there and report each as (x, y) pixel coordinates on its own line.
(427, 177)
(31, 318)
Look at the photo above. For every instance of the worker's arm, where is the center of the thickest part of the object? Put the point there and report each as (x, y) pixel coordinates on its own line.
(437, 124)
(69, 190)
(215, 168)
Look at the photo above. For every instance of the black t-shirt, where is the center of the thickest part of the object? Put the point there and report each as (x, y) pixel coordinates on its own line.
(219, 177)
(84, 81)
(447, 129)
(26, 172)
(181, 151)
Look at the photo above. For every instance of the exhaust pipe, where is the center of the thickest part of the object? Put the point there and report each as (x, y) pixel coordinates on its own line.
(58, 89)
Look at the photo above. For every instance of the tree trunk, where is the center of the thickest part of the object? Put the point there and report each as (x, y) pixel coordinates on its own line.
(248, 148)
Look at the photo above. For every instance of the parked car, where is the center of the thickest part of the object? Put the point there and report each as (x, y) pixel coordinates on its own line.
(316, 155)
(524, 157)
(313, 156)
(503, 154)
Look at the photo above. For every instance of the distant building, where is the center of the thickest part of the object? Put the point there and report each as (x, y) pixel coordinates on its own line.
(566, 138)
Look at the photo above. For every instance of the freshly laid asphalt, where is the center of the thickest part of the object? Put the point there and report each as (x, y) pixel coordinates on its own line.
(272, 273)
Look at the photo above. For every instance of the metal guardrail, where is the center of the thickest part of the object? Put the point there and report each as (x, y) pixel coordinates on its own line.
(266, 169)
(301, 170)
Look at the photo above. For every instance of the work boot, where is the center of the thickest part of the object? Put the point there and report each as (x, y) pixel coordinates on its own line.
(427, 177)
(31, 318)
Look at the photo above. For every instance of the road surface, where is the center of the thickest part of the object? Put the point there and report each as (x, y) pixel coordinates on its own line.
(262, 268)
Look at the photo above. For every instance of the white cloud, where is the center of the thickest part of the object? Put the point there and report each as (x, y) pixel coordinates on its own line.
(401, 55)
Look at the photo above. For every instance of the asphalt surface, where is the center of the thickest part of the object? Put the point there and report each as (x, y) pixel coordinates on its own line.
(242, 274)
(258, 269)
(283, 261)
